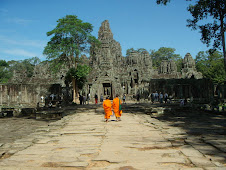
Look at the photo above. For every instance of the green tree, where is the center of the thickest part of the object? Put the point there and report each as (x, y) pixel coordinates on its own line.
(34, 61)
(141, 50)
(211, 65)
(80, 74)
(164, 2)
(4, 72)
(128, 51)
(165, 53)
(23, 66)
(212, 33)
(69, 39)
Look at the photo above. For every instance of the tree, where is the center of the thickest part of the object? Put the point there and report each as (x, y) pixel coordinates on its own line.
(23, 66)
(80, 74)
(211, 32)
(34, 61)
(211, 65)
(69, 39)
(164, 53)
(128, 51)
(4, 73)
(164, 2)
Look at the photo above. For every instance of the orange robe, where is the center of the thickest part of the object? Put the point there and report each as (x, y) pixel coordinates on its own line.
(107, 108)
(115, 105)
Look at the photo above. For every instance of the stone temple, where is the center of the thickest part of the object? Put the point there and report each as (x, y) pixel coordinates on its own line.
(111, 74)
(115, 74)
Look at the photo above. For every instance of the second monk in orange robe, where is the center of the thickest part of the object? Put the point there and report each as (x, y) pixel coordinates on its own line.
(115, 105)
(107, 108)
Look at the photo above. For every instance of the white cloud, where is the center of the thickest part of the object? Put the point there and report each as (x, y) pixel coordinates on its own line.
(19, 52)
(18, 21)
(30, 43)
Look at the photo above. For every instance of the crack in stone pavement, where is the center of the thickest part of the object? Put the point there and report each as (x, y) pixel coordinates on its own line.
(83, 140)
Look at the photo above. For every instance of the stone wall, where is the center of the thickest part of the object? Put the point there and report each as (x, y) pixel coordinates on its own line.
(199, 89)
(25, 95)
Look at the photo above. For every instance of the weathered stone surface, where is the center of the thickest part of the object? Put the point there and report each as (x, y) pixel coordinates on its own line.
(83, 140)
(189, 69)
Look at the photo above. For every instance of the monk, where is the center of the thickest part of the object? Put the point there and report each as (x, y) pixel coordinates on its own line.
(116, 103)
(107, 108)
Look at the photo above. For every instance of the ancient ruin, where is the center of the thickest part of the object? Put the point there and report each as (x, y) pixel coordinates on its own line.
(112, 73)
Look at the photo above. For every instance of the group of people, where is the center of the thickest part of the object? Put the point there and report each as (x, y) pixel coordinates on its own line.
(114, 108)
(96, 98)
(84, 98)
(159, 97)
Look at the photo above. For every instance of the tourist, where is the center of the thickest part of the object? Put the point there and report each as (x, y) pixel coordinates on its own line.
(165, 97)
(42, 99)
(117, 107)
(138, 97)
(88, 98)
(51, 96)
(84, 99)
(80, 99)
(160, 97)
(101, 98)
(124, 99)
(96, 98)
(156, 96)
(153, 97)
(107, 109)
(50, 105)
(181, 102)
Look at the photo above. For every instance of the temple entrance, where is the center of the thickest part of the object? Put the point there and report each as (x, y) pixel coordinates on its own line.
(107, 90)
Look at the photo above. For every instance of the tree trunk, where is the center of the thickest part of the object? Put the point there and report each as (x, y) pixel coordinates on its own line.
(75, 86)
(74, 89)
(223, 40)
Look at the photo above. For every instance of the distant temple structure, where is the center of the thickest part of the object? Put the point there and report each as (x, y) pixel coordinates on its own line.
(111, 74)
(114, 74)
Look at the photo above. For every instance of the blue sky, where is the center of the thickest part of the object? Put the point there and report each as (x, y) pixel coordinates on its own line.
(135, 24)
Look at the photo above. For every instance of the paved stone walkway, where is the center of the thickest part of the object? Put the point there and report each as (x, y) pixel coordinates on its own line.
(84, 141)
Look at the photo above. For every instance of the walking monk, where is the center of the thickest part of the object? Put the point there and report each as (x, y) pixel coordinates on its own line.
(116, 106)
(107, 108)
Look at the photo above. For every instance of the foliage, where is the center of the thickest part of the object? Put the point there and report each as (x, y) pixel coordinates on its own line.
(211, 65)
(80, 74)
(22, 66)
(141, 50)
(34, 61)
(4, 73)
(164, 2)
(165, 53)
(70, 37)
(128, 51)
(212, 33)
